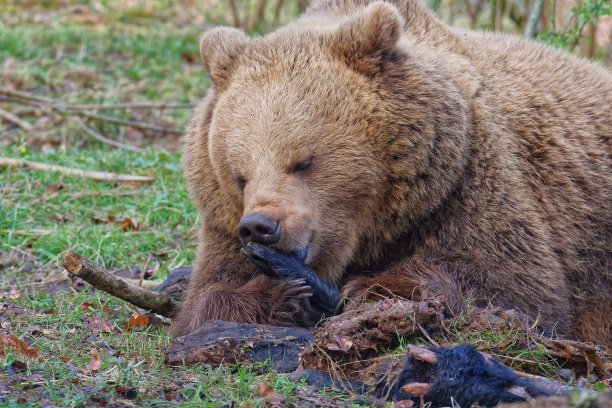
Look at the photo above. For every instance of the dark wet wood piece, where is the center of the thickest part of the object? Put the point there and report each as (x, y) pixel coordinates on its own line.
(176, 284)
(220, 342)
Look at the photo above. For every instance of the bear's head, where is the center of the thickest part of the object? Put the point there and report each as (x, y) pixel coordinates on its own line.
(307, 127)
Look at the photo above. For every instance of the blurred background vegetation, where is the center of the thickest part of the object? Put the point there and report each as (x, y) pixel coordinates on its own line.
(584, 26)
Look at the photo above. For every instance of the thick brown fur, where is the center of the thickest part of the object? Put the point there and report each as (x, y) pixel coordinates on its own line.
(474, 163)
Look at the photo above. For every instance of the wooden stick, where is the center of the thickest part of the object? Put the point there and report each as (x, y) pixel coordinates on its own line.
(94, 175)
(16, 120)
(58, 105)
(126, 122)
(101, 279)
(106, 140)
(32, 231)
(144, 270)
(79, 110)
(132, 105)
(24, 95)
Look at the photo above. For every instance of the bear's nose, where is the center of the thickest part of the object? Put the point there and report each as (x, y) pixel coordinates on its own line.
(259, 228)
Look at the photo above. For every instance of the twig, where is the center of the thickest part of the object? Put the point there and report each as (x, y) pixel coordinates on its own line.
(79, 110)
(16, 120)
(126, 122)
(94, 175)
(144, 270)
(117, 193)
(33, 231)
(25, 95)
(131, 105)
(101, 279)
(106, 140)
(534, 17)
(427, 336)
(58, 13)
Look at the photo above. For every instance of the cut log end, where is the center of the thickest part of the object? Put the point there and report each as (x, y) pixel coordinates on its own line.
(73, 263)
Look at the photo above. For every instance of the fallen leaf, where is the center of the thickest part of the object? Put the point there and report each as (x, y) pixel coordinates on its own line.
(341, 344)
(95, 363)
(50, 192)
(17, 346)
(12, 295)
(125, 223)
(403, 404)
(127, 393)
(189, 58)
(86, 306)
(100, 220)
(272, 397)
(97, 324)
(137, 321)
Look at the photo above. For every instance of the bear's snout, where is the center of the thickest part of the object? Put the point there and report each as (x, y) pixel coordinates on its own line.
(259, 228)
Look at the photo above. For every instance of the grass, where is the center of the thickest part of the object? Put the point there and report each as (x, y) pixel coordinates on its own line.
(43, 214)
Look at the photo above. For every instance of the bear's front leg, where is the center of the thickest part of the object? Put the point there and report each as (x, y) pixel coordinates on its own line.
(459, 279)
(260, 300)
(226, 285)
(411, 278)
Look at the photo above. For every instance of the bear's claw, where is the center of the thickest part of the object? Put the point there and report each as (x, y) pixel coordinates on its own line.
(323, 296)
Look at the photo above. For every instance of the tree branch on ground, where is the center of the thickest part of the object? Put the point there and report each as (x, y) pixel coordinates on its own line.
(94, 175)
(106, 140)
(16, 120)
(102, 279)
(82, 110)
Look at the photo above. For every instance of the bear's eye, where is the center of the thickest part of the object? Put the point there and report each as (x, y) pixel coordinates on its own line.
(302, 166)
(240, 182)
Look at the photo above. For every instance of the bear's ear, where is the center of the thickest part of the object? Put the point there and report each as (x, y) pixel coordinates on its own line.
(220, 48)
(363, 39)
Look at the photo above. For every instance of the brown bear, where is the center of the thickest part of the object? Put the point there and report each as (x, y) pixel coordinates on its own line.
(397, 154)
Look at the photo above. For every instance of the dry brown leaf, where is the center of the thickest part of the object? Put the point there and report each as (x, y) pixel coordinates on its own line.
(86, 306)
(95, 363)
(97, 324)
(50, 192)
(124, 223)
(136, 320)
(403, 404)
(271, 396)
(12, 295)
(340, 344)
(17, 346)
